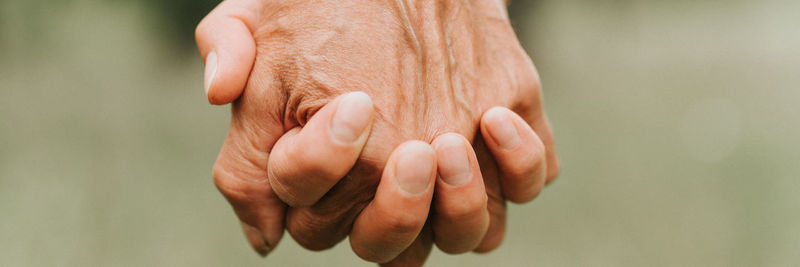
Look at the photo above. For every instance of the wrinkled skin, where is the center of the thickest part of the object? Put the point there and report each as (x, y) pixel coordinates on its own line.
(431, 67)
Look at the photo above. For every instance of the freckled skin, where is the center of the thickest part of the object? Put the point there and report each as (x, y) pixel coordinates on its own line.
(430, 66)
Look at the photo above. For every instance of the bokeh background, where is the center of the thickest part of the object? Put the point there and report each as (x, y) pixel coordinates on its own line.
(677, 125)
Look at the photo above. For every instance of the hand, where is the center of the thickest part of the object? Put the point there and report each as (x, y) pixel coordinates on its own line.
(395, 53)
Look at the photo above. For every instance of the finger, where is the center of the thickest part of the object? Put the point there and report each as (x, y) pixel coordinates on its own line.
(225, 41)
(536, 118)
(497, 203)
(461, 218)
(307, 162)
(541, 125)
(534, 114)
(240, 175)
(240, 172)
(394, 219)
(519, 153)
(417, 253)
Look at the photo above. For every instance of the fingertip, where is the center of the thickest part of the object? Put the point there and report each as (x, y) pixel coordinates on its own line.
(414, 167)
(352, 119)
(227, 76)
(210, 70)
(453, 160)
(462, 218)
(257, 239)
(397, 214)
(499, 127)
(519, 152)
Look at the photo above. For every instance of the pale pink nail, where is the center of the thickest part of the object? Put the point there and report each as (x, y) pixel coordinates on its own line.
(414, 167)
(502, 129)
(211, 69)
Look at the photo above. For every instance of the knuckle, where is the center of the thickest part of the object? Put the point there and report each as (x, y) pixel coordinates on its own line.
(527, 168)
(369, 253)
(314, 232)
(402, 223)
(535, 190)
(525, 191)
(526, 181)
(496, 232)
(490, 243)
(528, 89)
(364, 252)
(231, 187)
(553, 171)
(241, 178)
(529, 78)
(280, 187)
(466, 208)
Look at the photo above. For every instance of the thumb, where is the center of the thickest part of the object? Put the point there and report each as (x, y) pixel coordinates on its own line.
(226, 44)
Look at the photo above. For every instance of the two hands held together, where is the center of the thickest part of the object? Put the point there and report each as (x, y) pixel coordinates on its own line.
(398, 123)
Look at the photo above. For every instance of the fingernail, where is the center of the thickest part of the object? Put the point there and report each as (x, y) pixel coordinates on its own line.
(352, 117)
(257, 239)
(502, 129)
(211, 69)
(453, 161)
(413, 167)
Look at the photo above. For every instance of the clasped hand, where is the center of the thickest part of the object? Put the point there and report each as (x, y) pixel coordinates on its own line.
(400, 124)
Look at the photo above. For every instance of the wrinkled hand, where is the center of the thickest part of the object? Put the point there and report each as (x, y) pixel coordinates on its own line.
(431, 67)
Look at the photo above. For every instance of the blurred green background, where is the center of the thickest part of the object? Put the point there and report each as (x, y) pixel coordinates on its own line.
(676, 122)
